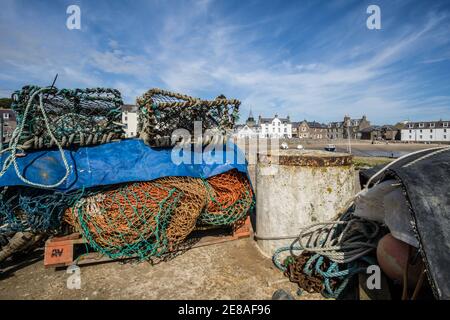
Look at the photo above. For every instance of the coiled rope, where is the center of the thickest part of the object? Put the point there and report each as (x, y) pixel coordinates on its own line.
(333, 250)
(14, 145)
(341, 241)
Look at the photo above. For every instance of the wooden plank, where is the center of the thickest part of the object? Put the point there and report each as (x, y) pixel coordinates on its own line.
(58, 253)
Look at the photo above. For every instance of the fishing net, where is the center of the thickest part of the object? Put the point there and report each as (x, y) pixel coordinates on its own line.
(74, 117)
(142, 219)
(186, 213)
(126, 221)
(162, 112)
(32, 209)
(230, 198)
(150, 219)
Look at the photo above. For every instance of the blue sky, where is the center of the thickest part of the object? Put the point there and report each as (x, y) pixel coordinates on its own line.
(309, 59)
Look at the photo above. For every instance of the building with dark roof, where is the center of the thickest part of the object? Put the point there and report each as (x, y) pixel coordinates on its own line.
(311, 130)
(349, 128)
(426, 131)
(275, 127)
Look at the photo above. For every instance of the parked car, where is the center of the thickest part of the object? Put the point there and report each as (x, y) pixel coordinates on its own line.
(330, 147)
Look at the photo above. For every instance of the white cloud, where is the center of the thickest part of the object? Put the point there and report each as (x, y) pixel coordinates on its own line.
(198, 51)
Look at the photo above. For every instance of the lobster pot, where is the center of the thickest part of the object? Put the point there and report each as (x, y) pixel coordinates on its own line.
(296, 188)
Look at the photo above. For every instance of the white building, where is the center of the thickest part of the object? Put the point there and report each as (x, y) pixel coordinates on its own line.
(130, 120)
(275, 127)
(433, 131)
(265, 128)
(245, 131)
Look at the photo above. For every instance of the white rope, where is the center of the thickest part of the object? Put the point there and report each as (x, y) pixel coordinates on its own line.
(14, 145)
(357, 238)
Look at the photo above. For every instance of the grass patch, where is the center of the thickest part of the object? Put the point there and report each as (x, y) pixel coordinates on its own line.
(364, 162)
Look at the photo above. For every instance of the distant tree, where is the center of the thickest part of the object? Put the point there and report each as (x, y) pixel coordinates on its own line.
(5, 103)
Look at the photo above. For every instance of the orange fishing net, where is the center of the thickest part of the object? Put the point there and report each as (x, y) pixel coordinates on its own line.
(150, 218)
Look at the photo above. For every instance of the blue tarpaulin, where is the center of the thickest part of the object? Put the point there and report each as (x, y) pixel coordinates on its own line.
(119, 162)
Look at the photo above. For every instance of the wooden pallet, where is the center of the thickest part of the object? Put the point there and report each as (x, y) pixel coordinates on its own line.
(71, 249)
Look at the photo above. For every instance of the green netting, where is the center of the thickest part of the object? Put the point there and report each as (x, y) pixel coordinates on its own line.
(129, 221)
(230, 198)
(162, 112)
(228, 214)
(142, 219)
(74, 117)
(33, 209)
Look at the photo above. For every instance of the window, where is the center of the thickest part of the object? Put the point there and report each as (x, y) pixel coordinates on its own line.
(410, 137)
(445, 136)
(420, 130)
(431, 125)
(410, 125)
(285, 129)
(126, 118)
(279, 130)
(410, 131)
(445, 124)
(431, 137)
(421, 125)
(445, 130)
(420, 136)
(431, 130)
(6, 116)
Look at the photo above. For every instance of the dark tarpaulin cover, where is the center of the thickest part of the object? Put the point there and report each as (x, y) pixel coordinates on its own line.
(425, 178)
(118, 162)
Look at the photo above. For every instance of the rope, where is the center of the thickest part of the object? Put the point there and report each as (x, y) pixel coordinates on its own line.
(329, 252)
(340, 241)
(77, 117)
(162, 112)
(13, 145)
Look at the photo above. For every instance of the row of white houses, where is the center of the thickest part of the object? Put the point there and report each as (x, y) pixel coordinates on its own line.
(433, 131)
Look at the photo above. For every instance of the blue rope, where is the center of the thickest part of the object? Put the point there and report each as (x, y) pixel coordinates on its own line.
(340, 272)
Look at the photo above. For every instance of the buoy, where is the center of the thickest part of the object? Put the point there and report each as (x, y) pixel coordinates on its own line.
(392, 256)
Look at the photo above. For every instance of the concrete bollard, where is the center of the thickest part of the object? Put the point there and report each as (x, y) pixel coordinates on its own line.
(296, 188)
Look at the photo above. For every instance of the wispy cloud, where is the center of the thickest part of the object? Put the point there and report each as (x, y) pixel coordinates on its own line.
(315, 61)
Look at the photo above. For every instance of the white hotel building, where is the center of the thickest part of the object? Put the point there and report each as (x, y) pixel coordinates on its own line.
(275, 127)
(434, 131)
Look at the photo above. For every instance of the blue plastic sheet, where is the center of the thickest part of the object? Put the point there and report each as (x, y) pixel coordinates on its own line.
(119, 162)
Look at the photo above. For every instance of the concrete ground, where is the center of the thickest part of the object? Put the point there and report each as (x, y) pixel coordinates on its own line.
(231, 270)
